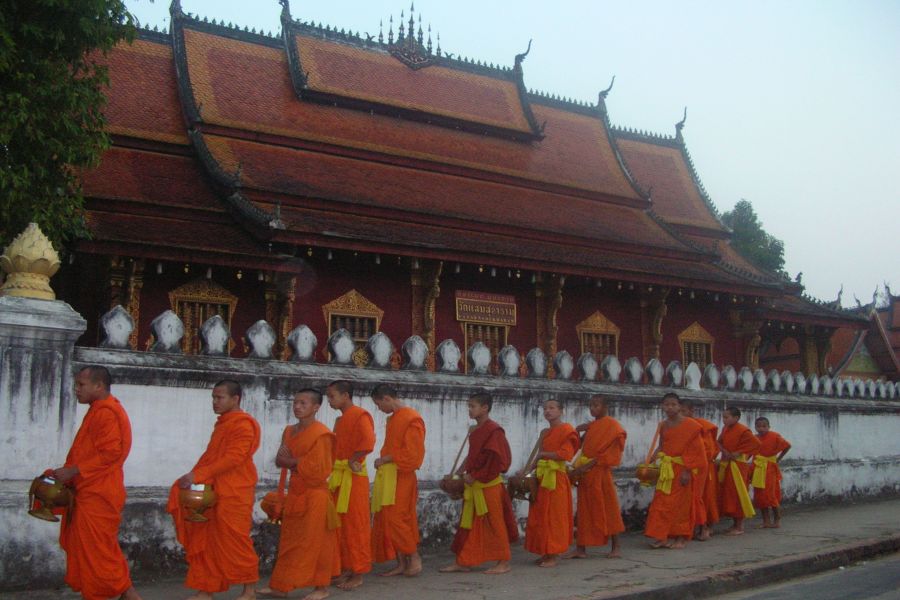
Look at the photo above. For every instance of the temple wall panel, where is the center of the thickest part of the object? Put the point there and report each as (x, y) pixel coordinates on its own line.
(622, 307)
(712, 316)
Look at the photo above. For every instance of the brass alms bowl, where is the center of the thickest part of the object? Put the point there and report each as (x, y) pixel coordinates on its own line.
(523, 487)
(453, 486)
(273, 505)
(195, 500)
(648, 475)
(51, 494)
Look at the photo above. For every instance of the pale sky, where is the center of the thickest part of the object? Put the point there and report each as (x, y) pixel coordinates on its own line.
(791, 105)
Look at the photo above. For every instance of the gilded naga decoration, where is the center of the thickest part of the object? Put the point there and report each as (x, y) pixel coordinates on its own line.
(29, 262)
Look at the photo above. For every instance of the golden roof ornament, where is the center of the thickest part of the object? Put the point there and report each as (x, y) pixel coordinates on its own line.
(29, 261)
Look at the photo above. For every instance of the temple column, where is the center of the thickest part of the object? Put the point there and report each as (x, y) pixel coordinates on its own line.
(133, 297)
(823, 347)
(548, 292)
(747, 331)
(116, 281)
(280, 294)
(425, 282)
(653, 312)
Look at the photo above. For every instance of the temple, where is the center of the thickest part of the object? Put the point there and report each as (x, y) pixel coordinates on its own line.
(321, 178)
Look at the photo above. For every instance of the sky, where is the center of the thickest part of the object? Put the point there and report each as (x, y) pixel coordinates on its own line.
(794, 106)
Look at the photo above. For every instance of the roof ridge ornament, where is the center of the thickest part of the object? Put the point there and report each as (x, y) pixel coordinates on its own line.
(521, 57)
(175, 8)
(408, 49)
(285, 10)
(679, 126)
(604, 93)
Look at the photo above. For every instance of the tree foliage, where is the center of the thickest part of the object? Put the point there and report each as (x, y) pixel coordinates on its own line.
(51, 101)
(751, 240)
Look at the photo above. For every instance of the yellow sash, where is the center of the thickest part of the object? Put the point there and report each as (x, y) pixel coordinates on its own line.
(384, 490)
(546, 472)
(760, 464)
(667, 472)
(581, 461)
(342, 477)
(474, 502)
(739, 484)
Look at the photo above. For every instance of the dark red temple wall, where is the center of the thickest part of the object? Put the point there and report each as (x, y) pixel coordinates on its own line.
(622, 307)
(387, 285)
(785, 357)
(712, 316)
(522, 336)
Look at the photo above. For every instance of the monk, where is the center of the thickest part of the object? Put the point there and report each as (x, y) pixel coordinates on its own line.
(487, 525)
(355, 433)
(548, 532)
(766, 474)
(736, 443)
(598, 519)
(681, 455)
(220, 552)
(308, 552)
(707, 489)
(95, 565)
(395, 527)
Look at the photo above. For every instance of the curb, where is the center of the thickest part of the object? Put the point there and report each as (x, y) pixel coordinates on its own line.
(725, 581)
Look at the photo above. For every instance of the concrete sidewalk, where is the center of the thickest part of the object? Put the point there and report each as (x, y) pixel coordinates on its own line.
(810, 539)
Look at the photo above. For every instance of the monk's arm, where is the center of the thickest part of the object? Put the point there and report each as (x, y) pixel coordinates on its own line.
(411, 453)
(239, 448)
(284, 459)
(749, 443)
(107, 440)
(611, 456)
(365, 439)
(315, 466)
(787, 448)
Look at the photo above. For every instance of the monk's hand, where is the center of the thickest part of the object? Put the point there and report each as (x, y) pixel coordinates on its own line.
(468, 479)
(355, 466)
(65, 474)
(685, 477)
(583, 427)
(186, 480)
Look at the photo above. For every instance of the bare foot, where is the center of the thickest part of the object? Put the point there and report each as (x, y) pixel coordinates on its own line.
(548, 562)
(776, 525)
(415, 565)
(735, 532)
(342, 578)
(577, 552)
(249, 592)
(614, 553)
(354, 581)
(454, 568)
(398, 570)
(317, 594)
(501, 567)
(130, 594)
(763, 526)
(704, 536)
(268, 592)
(659, 544)
(679, 544)
(200, 596)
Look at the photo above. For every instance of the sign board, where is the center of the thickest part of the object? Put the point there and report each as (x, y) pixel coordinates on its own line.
(480, 307)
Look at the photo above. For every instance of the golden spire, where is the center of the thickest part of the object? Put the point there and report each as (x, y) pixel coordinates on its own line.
(29, 261)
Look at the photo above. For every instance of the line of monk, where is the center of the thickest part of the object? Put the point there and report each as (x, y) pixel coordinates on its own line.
(332, 529)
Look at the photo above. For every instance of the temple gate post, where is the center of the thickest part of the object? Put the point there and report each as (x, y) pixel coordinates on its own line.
(425, 279)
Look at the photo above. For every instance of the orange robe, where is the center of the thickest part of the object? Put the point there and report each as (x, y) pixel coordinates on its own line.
(549, 527)
(598, 515)
(736, 438)
(770, 445)
(355, 431)
(220, 552)
(308, 552)
(490, 534)
(706, 495)
(672, 514)
(395, 528)
(95, 565)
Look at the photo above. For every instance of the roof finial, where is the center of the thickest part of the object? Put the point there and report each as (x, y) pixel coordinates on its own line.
(175, 8)
(428, 47)
(680, 125)
(401, 31)
(438, 43)
(887, 289)
(420, 29)
(391, 30)
(411, 32)
(604, 93)
(380, 31)
(285, 10)
(521, 57)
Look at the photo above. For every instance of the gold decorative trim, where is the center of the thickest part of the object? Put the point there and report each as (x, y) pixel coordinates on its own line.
(696, 334)
(191, 302)
(352, 304)
(598, 323)
(29, 262)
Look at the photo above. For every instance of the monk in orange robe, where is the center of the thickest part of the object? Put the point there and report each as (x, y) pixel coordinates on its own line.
(736, 443)
(766, 478)
(549, 528)
(681, 455)
(395, 527)
(707, 489)
(598, 518)
(220, 552)
(95, 565)
(308, 552)
(355, 431)
(487, 524)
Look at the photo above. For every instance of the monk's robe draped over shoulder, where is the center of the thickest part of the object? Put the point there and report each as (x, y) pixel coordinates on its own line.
(355, 431)
(95, 565)
(736, 438)
(220, 552)
(395, 527)
(486, 536)
(671, 512)
(549, 528)
(308, 548)
(767, 472)
(599, 515)
(706, 492)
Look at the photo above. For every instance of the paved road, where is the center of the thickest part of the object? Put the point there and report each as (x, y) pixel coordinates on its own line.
(871, 580)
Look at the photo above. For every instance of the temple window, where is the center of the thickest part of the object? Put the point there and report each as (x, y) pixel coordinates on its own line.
(599, 336)
(696, 346)
(197, 301)
(355, 313)
(492, 336)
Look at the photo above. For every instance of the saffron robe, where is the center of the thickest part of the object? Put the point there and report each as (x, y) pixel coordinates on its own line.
(770, 445)
(395, 528)
(491, 533)
(598, 515)
(355, 431)
(707, 493)
(95, 565)
(736, 438)
(308, 553)
(220, 552)
(549, 527)
(672, 514)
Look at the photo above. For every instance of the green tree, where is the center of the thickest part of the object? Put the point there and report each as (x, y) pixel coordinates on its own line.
(751, 240)
(51, 101)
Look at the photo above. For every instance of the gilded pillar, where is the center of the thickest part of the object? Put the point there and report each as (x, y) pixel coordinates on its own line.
(653, 312)
(117, 274)
(280, 292)
(425, 280)
(548, 292)
(748, 332)
(133, 297)
(823, 347)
